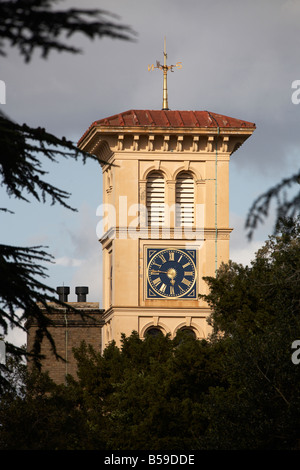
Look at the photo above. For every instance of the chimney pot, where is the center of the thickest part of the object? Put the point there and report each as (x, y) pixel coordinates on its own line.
(63, 293)
(81, 292)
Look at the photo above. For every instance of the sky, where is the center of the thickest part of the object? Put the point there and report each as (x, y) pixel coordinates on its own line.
(239, 58)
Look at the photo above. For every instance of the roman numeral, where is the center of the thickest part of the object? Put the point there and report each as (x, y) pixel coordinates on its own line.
(186, 282)
(156, 281)
(163, 288)
(185, 265)
(188, 273)
(171, 256)
(172, 292)
(163, 258)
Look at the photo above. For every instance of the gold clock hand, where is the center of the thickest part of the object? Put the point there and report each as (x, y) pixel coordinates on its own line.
(171, 273)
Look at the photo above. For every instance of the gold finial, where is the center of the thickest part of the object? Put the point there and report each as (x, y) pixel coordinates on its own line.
(165, 68)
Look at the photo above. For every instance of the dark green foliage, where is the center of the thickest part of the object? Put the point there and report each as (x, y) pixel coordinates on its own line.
(257, 310)
(149, 395)
(146, 395)
(22, 269)
(287, 204)
(22, 292)
(23, 150)
(46, 417)
(238, 390)
(34, 24)
(251, 299)
(22, 295)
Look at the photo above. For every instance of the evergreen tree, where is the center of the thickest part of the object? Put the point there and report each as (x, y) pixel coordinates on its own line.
(287, 204)
(256, 310)
(146, 395)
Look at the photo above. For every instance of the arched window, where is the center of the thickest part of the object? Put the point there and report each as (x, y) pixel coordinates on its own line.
(185, 200)
(153, 331)
(155, 200)
(189, 331)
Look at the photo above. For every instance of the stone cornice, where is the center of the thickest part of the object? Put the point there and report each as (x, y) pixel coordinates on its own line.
(186, 235)
(105, 145)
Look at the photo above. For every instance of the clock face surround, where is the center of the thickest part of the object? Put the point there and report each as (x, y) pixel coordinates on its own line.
(171, 273)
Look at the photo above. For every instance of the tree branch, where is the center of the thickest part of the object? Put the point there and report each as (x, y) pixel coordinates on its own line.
(33, 24)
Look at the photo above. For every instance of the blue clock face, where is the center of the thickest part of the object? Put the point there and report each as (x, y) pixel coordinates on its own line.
(171, 273)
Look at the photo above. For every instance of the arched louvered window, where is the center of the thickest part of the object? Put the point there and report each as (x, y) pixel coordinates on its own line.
(184, 200)
(153, 331)
(156, 199)
(189, 331)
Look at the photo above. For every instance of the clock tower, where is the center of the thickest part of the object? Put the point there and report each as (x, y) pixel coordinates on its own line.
(165, 215)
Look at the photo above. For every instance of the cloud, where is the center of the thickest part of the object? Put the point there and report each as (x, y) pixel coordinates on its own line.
(228, 67)
(246, 254)
(90, 275)
(67, 261)
(241, 249)
(15, 335)
(78, 258)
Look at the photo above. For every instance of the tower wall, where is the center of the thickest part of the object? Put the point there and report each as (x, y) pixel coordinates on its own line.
(140, 291)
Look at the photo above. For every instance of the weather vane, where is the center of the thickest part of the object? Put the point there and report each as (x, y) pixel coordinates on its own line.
(165, 68)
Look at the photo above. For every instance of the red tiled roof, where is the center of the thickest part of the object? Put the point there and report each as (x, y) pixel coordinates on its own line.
(169, 118)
